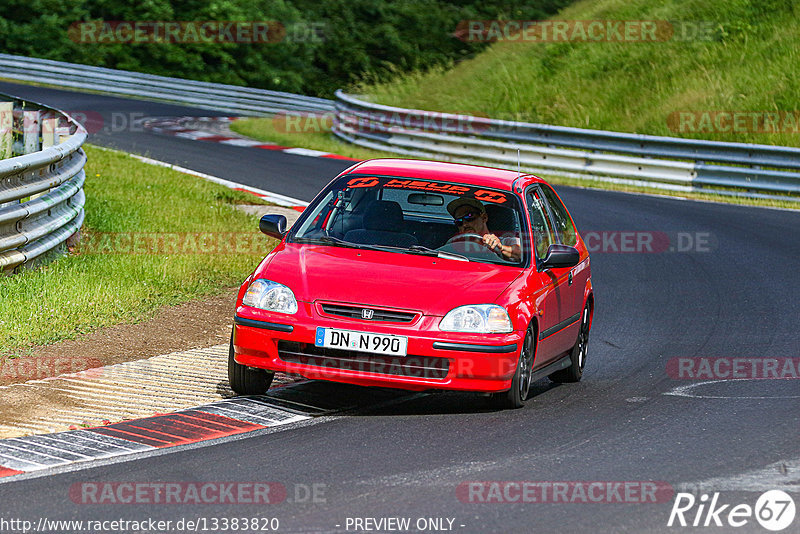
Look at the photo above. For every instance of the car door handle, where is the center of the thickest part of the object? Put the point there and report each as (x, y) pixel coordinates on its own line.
(570, 278)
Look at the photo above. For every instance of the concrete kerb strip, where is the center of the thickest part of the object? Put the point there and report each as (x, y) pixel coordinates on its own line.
(123, 410)
(118, 392)
(141, 392)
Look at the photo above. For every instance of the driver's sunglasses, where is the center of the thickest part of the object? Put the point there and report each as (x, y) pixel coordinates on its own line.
(469, 217)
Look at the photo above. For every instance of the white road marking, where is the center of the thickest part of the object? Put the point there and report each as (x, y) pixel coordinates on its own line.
(243, 142)
(688, 391)
(305, 152)
(196, 134)
(783, 475)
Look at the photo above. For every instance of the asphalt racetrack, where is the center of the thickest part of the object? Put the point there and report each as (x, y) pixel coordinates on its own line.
(654, 404)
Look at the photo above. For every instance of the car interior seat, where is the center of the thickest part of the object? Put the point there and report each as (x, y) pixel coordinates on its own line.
(383, 225)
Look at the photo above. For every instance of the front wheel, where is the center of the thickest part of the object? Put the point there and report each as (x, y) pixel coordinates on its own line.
(521, 383)
(246, 380)
(577, 355)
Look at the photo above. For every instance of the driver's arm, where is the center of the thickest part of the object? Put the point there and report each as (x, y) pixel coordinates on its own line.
(511, 252)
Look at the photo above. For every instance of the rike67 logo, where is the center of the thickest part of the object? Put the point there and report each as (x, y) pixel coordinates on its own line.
(774, 510)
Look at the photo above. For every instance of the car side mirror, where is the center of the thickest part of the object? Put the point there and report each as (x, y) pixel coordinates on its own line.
(273, 225)
(561, 256)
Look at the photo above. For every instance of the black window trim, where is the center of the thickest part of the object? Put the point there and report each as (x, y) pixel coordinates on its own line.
(535, 186)
(525, 234)
(552, 218)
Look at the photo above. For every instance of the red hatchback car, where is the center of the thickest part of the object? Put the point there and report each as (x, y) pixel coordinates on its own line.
(419, 275)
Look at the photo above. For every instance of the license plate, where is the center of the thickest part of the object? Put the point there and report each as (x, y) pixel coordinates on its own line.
(361, 341)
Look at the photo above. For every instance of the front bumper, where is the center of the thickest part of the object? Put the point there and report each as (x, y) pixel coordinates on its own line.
(435, 360)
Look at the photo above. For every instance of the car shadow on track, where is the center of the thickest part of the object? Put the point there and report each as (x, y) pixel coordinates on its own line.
(318, 397)
(451, 403)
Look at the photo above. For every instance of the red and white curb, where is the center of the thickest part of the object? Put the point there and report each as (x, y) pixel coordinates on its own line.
(219, 419)
(215, 129)
(151, 404)
(281, 406)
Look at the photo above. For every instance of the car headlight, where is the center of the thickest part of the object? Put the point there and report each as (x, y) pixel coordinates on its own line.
(478, 318)
(270, 296)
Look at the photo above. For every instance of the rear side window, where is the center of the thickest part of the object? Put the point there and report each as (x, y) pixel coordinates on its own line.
(564, 228)
(543, 235)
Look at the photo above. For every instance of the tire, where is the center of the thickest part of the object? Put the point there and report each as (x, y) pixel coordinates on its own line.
(246, 380)
(521, 383)
(577, 355)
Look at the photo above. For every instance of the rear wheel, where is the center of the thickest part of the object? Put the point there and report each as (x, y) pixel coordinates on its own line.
(246, 380)
(521, 383)
(577, 355)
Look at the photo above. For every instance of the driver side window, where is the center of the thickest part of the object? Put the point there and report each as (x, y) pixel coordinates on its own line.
(563, 224)
(543, 235)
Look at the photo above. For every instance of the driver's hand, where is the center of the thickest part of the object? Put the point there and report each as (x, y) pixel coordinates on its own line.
(492, 241)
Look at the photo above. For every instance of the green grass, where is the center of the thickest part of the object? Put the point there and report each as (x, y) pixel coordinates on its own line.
(84, 291)
(749, 63)
(265, 130)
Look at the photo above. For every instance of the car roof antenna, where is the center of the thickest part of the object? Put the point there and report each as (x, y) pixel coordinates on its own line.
(519, 172)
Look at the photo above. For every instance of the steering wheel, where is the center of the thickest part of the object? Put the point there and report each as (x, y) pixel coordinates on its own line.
(458, 238)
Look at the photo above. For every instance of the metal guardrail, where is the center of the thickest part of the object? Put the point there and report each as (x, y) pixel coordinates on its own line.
(41, 191)
(756, 171)
(228, 98)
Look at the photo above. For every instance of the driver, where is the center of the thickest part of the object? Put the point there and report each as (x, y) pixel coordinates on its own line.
(470, 217)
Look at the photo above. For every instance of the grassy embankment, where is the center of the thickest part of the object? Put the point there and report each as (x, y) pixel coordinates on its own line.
(743, 61)
(112, 277)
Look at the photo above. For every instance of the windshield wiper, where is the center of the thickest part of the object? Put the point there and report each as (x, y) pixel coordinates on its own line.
(335, 241)
(416, 249)
(327, 240)
(422, 250)
(438, 253)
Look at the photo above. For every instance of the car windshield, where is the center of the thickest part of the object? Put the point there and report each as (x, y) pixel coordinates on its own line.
(413, 216)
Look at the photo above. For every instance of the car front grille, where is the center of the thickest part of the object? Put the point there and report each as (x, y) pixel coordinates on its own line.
(355, 312)
(348, 360)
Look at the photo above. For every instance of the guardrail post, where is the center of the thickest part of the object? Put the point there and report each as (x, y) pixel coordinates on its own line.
(49, 133)
(62, 134)
(48, 139)
(30, 132)
(6, 128)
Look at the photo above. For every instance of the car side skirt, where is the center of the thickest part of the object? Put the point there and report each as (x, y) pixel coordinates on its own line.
(560, 326)
(550, 368)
